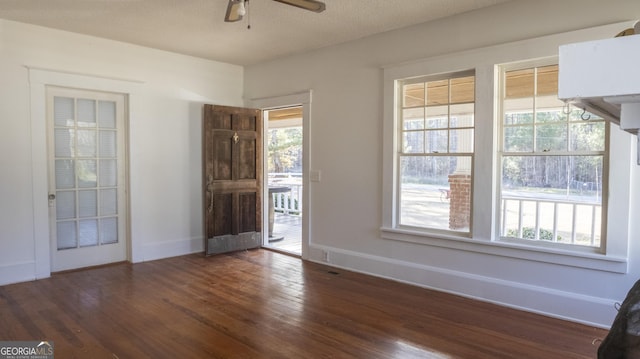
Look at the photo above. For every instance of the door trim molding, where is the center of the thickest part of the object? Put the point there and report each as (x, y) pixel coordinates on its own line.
(38, 80)
(294, 99)
(304, 99)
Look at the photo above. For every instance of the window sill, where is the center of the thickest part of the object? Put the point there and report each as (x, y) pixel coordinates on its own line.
(512, 249)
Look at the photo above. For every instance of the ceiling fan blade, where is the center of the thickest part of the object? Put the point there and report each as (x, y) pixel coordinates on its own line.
(311, 5)
(232, 11)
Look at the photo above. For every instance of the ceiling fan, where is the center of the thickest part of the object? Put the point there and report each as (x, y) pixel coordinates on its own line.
(237, 8)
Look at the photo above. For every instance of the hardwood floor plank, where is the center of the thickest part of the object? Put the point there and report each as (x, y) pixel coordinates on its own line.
(261, 304)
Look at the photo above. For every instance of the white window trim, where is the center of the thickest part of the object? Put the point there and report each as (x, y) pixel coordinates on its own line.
(484, 237)
(399, 153)
(501, 70)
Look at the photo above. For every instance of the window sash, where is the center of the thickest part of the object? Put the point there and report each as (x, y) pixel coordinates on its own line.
(436, 127)
(532, 216)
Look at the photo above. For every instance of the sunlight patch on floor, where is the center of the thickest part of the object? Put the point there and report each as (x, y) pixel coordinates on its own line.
(407, 350)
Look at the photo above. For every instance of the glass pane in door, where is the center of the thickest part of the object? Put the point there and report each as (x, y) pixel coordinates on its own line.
(86, 162)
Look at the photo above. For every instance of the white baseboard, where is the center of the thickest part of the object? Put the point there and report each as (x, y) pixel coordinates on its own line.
(166, 249)
(17, 272)
(25, 271)
(555, 303)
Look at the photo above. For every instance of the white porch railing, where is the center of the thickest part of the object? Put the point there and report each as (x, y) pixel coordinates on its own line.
(551, 220)
(287, 202)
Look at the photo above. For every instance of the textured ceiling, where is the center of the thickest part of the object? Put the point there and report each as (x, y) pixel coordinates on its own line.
(197, 27)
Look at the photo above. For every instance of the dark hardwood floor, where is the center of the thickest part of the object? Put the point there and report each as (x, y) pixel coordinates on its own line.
(261, 304)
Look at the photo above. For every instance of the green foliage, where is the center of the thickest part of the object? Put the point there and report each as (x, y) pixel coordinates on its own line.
(555, 137)
(286, 202)
(285, 150)
(530, 233)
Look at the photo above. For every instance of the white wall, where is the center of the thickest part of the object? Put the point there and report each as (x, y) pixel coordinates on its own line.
(347, 125)
(166, 93)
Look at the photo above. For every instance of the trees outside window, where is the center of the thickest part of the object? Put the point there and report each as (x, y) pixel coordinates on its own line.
(553, 162)
(285, 150)
(436, 152)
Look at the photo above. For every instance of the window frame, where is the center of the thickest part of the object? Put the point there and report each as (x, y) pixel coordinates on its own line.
(502, 69)
(400, 153)
(484, 224)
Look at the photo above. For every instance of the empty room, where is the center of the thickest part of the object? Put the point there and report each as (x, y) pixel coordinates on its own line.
(330, 179)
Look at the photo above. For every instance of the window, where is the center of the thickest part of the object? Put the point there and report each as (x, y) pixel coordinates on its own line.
(436, 134)
(545, 186)
(553, 163)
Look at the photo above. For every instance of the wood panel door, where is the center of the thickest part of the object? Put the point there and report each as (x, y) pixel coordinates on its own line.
(232, 178)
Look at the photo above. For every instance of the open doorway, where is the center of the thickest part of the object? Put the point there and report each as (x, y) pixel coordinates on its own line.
(284, 167)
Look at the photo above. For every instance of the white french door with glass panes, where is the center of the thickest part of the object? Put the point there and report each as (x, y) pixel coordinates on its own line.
(87, 204)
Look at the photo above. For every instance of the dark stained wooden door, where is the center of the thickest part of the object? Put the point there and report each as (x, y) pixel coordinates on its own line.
(232, 178)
